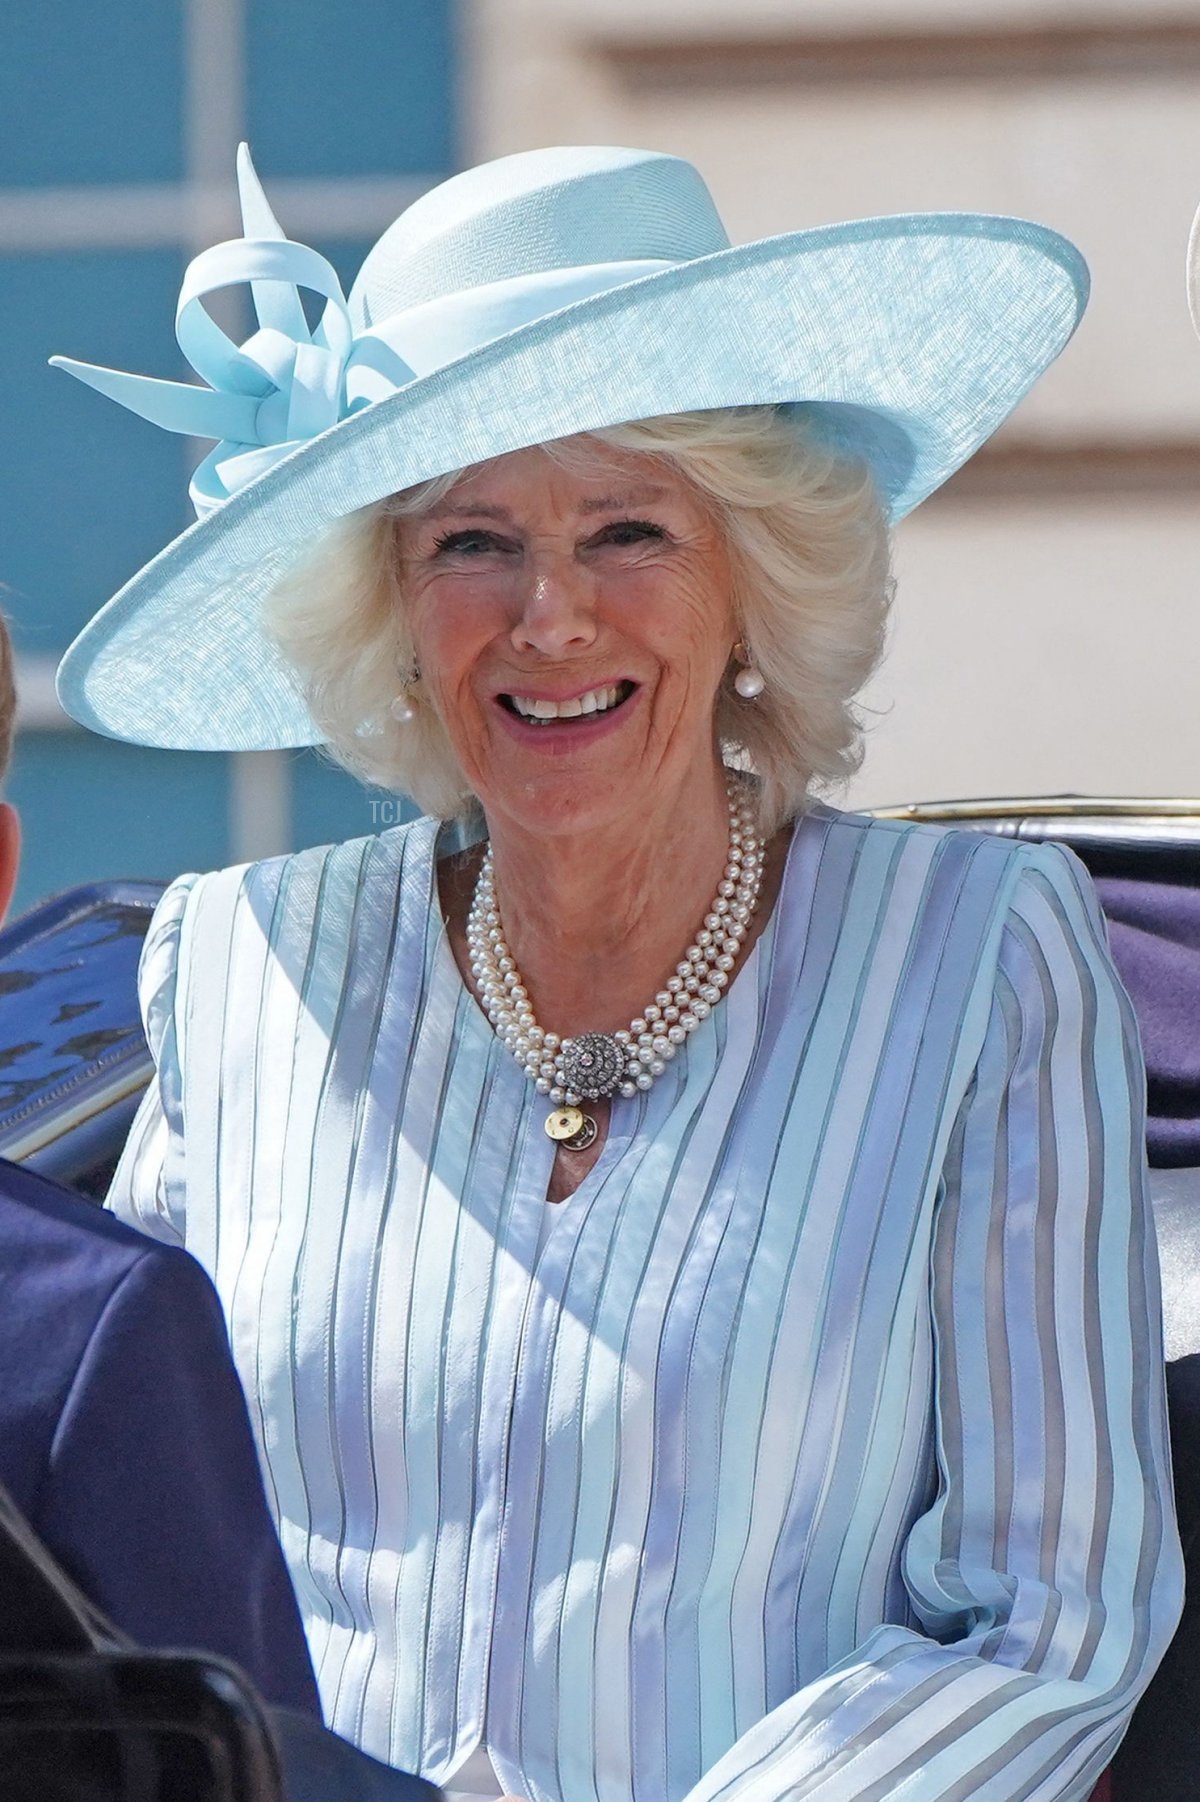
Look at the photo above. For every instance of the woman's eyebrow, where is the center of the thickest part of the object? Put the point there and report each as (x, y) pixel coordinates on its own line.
(611, 503)
(466, 510)
(603, 503)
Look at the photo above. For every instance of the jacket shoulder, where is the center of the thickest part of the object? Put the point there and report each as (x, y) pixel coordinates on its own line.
(384, 855)
(296, 893)
(1002, 850)
(65, 1262)
(44, 1225)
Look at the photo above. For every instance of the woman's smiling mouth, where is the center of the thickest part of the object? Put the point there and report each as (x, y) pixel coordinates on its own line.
(540, 710)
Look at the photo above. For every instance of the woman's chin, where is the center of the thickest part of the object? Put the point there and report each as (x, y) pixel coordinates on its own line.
(563, 801)
(565, 778)
(622, 796)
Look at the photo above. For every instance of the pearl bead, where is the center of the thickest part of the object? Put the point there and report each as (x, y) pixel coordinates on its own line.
(654, 1036)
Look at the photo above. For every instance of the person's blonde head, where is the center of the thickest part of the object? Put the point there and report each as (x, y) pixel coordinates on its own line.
(809, 552)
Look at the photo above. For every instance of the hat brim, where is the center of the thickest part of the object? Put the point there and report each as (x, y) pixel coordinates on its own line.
(906, 341)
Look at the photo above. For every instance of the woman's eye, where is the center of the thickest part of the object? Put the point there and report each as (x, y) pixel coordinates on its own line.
(629, 531)
(470, 543)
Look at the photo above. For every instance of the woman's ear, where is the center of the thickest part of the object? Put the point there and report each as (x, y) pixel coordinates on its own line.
(10, 853)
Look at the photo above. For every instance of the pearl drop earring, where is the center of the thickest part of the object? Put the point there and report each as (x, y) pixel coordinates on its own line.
(401, 706)
(749, 679)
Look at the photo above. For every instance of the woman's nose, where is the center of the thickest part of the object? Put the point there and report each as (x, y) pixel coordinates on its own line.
(557, 614)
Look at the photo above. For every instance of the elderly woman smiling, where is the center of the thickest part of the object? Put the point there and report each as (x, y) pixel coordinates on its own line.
(685, 1247)
(574, 614)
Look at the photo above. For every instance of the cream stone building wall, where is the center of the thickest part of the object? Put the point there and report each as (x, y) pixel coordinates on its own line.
(1047, 628)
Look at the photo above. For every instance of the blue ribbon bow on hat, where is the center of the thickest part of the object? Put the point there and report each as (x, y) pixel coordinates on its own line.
(284, 385)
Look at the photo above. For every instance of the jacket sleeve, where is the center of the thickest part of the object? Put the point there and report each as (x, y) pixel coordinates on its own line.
(153, 1499)
(1046, 1577)
(147, 1190)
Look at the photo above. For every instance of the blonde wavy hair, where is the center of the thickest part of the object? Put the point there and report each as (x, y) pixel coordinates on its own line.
(809, 551)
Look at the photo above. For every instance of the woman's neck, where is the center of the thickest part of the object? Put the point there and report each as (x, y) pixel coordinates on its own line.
(596, 922)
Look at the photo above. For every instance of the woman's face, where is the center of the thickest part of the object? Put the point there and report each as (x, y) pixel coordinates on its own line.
(571, 627)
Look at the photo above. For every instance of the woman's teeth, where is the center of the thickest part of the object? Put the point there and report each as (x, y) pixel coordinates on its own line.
(597, 700)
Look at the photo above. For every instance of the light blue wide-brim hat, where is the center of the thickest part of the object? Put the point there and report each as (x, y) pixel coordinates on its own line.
(539, 296)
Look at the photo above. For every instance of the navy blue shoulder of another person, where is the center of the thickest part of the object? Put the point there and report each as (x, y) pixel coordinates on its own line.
(125, 1441)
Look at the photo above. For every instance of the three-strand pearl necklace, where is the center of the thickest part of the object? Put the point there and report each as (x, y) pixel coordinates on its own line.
(597, 1064)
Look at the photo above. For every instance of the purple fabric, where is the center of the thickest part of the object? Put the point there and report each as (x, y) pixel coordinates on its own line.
(1154, 930)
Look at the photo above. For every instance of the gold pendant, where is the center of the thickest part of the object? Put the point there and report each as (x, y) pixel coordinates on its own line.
(571, 1128)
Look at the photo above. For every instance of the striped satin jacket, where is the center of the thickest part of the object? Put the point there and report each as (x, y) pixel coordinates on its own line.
(814, 1448)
